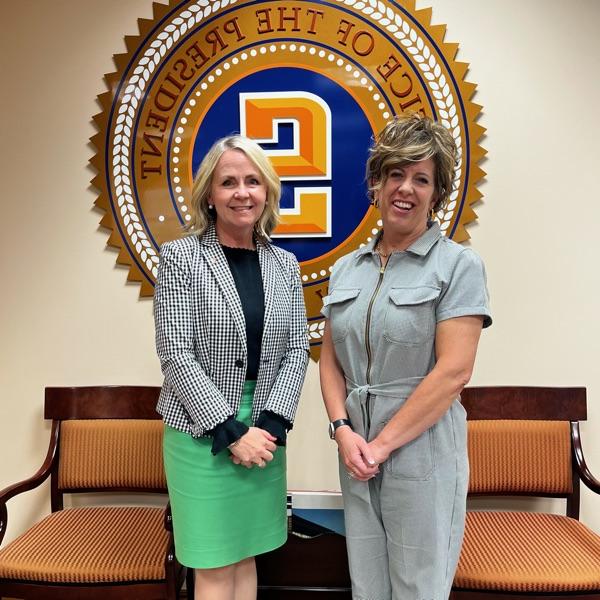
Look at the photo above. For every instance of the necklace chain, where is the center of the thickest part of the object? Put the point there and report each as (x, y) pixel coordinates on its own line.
(378, 249)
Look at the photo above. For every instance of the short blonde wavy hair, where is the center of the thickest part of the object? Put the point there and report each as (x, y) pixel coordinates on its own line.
(412, 138)
(202, 216)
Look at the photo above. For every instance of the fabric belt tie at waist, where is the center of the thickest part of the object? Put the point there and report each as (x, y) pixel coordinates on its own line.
(399, 388)
(357, 410)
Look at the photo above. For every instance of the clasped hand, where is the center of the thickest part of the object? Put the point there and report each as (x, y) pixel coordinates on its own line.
(255, 447)
(361, 458)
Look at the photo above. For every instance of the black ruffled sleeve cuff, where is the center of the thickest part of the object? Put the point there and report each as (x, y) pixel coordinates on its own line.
(226, 433)
(275, 424)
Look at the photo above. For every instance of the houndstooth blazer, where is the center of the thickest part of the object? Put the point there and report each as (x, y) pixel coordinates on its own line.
(201, 335)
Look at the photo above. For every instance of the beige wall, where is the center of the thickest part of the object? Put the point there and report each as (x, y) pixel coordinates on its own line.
(67, 316)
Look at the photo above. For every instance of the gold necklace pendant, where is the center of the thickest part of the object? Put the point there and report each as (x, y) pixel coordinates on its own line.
(379, 251)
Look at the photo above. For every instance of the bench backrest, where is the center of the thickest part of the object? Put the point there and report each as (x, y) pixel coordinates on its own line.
(519, 456)
(109, 438)
(520, 441)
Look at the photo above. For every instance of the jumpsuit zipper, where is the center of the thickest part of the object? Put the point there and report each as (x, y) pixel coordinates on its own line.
(367, 416)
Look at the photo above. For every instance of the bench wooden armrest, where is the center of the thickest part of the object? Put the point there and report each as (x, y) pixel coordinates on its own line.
(30, 483)
(582, 469)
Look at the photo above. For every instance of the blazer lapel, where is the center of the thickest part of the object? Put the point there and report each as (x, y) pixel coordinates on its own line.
(268, 268)
(217, 263)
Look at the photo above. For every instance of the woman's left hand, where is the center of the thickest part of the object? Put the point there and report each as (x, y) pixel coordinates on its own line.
(354, 451)
(255, 447)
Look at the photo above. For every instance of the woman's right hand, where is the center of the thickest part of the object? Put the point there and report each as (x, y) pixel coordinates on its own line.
(356, 455)
(255, 447)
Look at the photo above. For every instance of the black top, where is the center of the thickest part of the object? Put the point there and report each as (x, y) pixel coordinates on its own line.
(245, 268)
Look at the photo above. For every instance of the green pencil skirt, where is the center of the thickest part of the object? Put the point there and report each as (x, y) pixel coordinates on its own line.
(222, 512)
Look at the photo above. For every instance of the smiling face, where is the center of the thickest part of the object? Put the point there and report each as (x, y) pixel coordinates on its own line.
(406, 199)
(239, 195)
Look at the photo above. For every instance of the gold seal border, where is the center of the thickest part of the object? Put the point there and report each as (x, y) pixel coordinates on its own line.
(134, 44)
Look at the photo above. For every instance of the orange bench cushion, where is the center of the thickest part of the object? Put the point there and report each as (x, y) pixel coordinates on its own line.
(519, 456)
(528, 552)
(90, 545)
(111, 453)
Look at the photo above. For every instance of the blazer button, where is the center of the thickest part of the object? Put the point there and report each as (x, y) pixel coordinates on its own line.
(239, 363)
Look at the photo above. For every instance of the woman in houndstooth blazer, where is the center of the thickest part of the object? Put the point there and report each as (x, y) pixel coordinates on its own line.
(232, 342)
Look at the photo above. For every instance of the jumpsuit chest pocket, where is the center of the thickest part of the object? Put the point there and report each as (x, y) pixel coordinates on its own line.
(341, 304)
(410, 315)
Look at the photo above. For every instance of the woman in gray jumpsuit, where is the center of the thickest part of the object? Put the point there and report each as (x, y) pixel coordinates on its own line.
(404, 315)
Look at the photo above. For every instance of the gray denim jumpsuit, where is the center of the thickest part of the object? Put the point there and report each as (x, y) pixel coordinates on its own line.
(404, 527)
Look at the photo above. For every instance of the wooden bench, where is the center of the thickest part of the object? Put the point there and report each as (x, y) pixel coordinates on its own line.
(104, 439)
(525, 441)
(522, 442)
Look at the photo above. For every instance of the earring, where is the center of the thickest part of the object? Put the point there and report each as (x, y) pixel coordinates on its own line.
(210, 207)
(432, 215)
